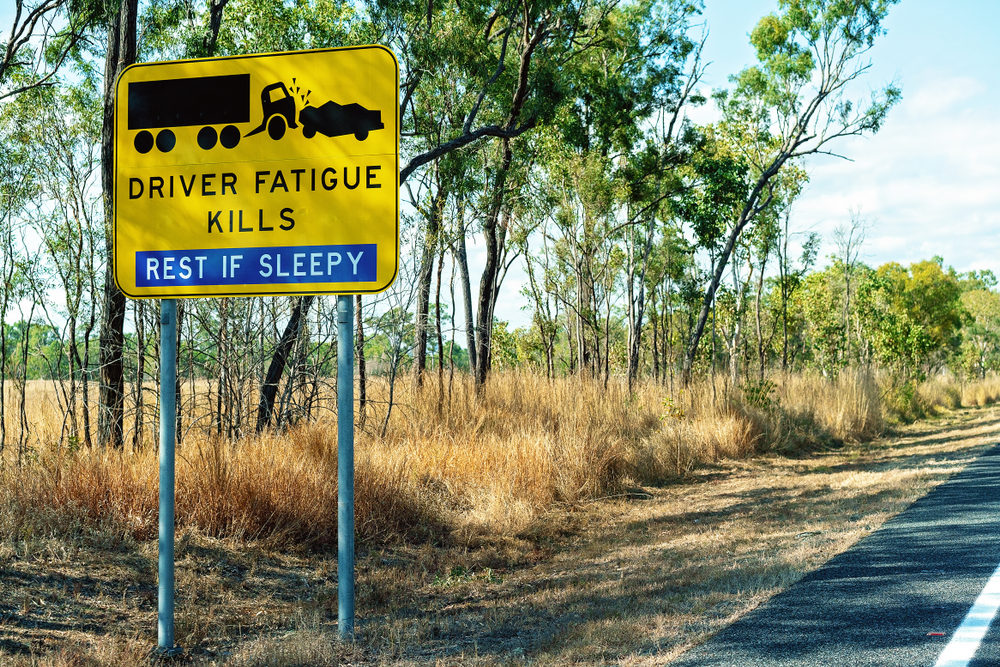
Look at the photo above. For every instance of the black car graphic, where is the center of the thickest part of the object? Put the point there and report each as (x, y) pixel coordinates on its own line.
(335, 120)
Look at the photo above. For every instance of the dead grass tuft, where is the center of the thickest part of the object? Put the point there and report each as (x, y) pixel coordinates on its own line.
(459, 468)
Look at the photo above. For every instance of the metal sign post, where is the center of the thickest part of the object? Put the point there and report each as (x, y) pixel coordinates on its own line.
(270, 174)
(168, 437)
(345, 466)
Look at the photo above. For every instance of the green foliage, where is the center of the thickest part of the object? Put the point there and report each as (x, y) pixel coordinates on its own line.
(761, 394)
(979, 353)
(34, 352)
(506, 347)
(719, 185)
(909, 319)
(672, 410)
(173, 29)
(595, 190)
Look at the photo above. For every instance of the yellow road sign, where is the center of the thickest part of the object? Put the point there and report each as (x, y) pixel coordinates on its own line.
(258, 175)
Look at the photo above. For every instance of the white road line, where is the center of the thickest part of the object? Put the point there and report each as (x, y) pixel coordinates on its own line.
(964, 643)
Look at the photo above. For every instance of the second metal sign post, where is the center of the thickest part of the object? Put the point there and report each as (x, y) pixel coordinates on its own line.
(264, 175)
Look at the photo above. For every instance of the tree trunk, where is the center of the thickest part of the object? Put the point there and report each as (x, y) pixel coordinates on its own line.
(269, 388)
(783, 276)
(440, 338)
(753, 206)
(494, 235)
(463, 268)
(140, 371)
(121, 53)
(3, 371)
(85, 374)
(761, 349)
(222, 362)
(179, 413)
(584, 302)
(637, 303)
(74, 357)
(494, 238)
(431, 240)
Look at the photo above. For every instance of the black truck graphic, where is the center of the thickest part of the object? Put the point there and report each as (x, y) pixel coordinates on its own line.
(219, 103)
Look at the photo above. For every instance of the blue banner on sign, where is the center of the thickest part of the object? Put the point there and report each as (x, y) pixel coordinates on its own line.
(256, 266)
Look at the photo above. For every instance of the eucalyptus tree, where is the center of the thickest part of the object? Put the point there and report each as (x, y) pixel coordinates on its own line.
(18, 187)
(848, 239)
(980, 348)
(121, 24)
(586, 245)
(467, 75)
(716, 181)
(795, 102)
(669, 279)
(43, 35)
(613, 167)
(765, 241)
(653, 175)
(790, 276)
(61, 130)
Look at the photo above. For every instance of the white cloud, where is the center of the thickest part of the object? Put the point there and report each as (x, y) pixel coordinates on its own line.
(927, 182)
(943, 94)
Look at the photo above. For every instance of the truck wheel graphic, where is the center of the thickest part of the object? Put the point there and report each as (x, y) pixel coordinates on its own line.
(308, 131)
(207, 137)
(203, 102)
(144, 141)
(166, 140)
(276, 127)
(230, 136)
(361, 135)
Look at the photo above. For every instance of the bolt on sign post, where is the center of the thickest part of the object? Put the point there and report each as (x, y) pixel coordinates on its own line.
(264, 175)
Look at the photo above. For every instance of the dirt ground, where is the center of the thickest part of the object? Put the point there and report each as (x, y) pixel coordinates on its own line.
(632, 580)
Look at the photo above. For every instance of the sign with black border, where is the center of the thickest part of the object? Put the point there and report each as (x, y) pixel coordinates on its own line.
(258, 175)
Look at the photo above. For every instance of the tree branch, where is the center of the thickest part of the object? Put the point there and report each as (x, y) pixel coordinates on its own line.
(463, 140)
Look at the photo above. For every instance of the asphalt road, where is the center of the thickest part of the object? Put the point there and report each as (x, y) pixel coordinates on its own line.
(876, 603)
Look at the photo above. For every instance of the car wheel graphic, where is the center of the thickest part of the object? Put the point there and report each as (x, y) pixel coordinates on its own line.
(361, 135)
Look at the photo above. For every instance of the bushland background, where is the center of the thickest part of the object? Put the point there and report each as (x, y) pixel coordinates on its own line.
(675, 317)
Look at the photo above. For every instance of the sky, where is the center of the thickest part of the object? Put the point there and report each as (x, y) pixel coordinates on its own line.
(927, 184)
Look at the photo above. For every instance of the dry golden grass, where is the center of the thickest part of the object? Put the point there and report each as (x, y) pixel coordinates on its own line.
(638, 582)
(980, 393)
(503, 482)
(476, 465)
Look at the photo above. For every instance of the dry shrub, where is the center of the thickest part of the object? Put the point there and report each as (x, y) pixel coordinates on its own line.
(848, 408)
(276, 489)
(985, 391)
(494, 462)
(938, 394)
(734, 431)
(283, 489)
(98, 651)
(908, 400)
(300, 647)
(452, 464)
(77, 493)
